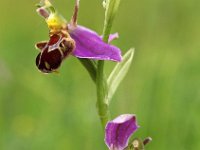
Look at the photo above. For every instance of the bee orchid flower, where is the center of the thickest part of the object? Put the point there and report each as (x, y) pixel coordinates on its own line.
(70, 39)
(119, 130)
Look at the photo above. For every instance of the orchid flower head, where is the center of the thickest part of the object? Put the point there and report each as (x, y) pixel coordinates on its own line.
(70, 39)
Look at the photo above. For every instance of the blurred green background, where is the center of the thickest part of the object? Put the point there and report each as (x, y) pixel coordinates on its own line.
(57, 112)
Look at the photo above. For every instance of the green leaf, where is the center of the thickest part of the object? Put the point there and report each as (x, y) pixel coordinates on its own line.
(111, 7)
(118, 73)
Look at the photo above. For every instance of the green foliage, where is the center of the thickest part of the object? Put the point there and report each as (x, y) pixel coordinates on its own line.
(118, 73)
(111, 7)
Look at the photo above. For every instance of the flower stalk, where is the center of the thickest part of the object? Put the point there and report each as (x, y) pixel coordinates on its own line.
(101, 85)
(111, 7)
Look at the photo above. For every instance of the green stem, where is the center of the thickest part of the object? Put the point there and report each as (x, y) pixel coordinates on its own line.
(101, 84)
(101, 81)
(102, 106)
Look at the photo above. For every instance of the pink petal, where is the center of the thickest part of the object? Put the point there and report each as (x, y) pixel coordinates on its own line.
(112, 37)
(119, 130)
(90, 45)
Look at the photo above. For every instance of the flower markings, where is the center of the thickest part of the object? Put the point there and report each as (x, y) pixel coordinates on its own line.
(70, 38)
(53, 52)
(119, 130)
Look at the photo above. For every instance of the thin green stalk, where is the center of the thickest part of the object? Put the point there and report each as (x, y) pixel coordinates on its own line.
(101, 82)
(101, 85)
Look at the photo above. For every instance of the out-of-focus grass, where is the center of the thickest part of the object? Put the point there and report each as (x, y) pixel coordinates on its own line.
(57, 112)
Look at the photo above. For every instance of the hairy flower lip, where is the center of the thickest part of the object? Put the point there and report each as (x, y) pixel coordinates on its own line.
(119, 130)
(53, 52)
